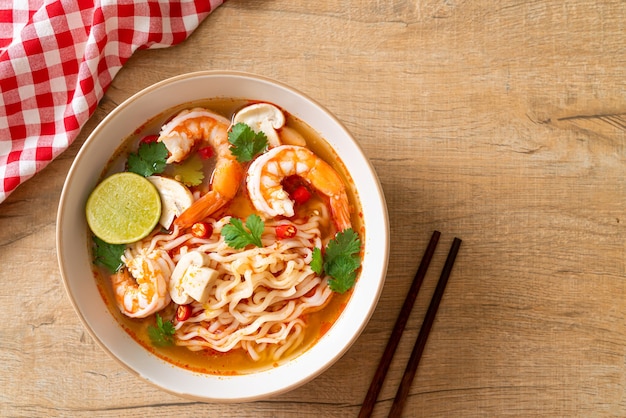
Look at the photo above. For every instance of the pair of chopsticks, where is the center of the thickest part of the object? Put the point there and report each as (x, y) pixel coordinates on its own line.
(398, 329)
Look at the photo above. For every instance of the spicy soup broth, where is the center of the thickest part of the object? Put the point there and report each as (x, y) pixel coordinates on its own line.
(236, 361)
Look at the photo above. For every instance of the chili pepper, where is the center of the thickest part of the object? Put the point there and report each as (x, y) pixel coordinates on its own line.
(206, 152)
(202, 229)
(149, 139)
(183, 312)
(286, 231)
(301, 195)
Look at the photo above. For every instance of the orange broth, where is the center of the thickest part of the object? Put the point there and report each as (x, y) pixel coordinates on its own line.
(236, 361)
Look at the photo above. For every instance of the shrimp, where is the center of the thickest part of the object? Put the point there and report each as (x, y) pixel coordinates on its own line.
(141, 286)
(266, 173)
(190, 126)
(180, 135)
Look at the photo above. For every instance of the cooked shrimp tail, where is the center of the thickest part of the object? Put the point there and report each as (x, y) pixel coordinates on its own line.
(227, 177)
(340, 208)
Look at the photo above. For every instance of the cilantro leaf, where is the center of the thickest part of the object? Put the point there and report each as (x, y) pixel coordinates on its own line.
(345, 242)
(108, 255)
(343, 272)
(149, 159)
(341, 260)
(317, 263)
(238, 237)
(163, 333)
(189, 171)
(246, 143)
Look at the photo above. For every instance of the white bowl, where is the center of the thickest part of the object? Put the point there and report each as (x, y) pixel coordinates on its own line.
(75, 264)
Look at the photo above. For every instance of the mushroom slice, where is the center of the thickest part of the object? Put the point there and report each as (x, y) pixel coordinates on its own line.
(263, 117)
(197, 283)
(191, 279)
(175, 198)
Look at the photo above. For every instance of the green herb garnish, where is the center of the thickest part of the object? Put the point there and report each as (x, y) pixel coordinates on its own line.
(317, 262)
(238, 237)
(163, 333)
(108, 255)
(149, 159)
(190, 171)
(340, 260)
(246, 143)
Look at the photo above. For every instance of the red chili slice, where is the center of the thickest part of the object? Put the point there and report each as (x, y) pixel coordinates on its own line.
(202, 229)
(183, 312)
(301, 195)
(206, 152)
(286, 231)
(149, 139)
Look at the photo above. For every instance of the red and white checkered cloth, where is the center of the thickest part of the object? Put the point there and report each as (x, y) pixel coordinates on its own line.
(57, 58)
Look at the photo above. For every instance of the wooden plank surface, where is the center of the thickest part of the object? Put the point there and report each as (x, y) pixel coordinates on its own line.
(502, 123)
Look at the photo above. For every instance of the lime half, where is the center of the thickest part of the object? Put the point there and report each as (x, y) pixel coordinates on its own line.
(123, 208)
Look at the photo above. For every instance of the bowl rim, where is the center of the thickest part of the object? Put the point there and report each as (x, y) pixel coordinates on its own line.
(375, 190)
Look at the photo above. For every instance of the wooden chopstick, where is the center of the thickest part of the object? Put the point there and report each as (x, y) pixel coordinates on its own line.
(398, 329)
(420, 343)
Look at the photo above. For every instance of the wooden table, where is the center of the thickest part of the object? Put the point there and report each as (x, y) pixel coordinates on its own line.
(502, 123)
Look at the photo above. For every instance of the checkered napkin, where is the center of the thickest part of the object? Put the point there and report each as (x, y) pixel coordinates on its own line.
(57, 58)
